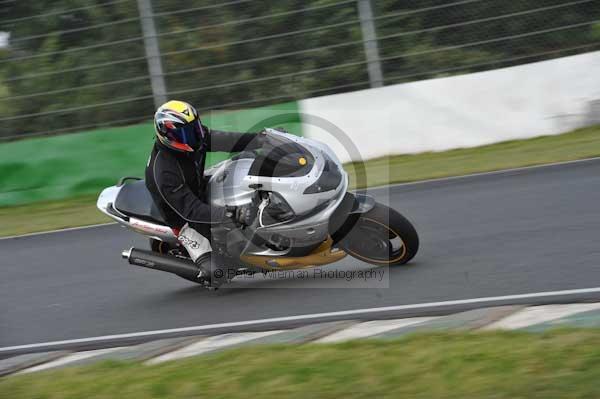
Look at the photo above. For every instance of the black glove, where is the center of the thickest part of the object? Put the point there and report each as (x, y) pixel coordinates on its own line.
(260, 139)
(243, 215)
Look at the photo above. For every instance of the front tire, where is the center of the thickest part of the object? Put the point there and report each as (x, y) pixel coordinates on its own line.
(382, 237)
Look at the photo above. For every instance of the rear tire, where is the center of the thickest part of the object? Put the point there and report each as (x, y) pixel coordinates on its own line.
(160, 247)
(382, 236)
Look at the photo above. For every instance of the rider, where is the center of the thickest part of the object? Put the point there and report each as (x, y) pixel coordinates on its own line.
(175, 177)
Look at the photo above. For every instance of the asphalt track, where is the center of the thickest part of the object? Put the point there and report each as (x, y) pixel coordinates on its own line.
(517, 232)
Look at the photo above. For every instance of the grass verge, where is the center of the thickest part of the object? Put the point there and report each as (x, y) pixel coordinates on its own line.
(580, 144)
(50, 215)
(556, 364)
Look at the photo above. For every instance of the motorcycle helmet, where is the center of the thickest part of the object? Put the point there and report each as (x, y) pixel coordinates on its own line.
(178, 126)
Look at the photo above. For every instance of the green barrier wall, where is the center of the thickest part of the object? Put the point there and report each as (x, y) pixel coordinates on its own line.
(84, 163)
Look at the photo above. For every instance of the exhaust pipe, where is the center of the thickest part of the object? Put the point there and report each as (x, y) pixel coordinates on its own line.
(151, 260)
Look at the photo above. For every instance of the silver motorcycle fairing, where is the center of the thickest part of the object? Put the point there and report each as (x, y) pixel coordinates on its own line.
(302, 232)
(231, 184)
(228, 185)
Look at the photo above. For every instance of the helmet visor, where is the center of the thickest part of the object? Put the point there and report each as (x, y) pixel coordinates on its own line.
(191, 134)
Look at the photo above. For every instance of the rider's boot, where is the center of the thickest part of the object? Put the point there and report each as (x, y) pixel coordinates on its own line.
(204, 266)
(208, 272)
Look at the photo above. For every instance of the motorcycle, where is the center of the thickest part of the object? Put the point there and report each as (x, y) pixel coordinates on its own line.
(306, 217)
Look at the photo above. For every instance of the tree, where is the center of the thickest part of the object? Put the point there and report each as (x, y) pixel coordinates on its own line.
(80, 64)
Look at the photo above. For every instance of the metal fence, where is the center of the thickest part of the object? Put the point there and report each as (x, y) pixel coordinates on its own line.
(73, 65)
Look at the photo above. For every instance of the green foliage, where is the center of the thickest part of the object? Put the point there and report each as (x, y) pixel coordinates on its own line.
(7, 109)
(42, 66)
(56, 62)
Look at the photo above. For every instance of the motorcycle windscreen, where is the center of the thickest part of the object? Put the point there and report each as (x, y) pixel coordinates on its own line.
(282, 157)
(330, 178)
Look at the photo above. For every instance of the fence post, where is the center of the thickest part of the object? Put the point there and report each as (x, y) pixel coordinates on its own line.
(367, 24)
(157, 78)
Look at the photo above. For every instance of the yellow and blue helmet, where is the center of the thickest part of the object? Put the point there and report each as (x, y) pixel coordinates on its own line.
(178, 126)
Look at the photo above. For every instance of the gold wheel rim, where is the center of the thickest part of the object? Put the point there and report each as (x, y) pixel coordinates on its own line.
(367, 259)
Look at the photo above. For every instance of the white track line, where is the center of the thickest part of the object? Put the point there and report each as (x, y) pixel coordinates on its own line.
(540, 314)
(449, 178)
(75, 357)
(370, 328)
(385, 309)
(39, 233)
(210, 344)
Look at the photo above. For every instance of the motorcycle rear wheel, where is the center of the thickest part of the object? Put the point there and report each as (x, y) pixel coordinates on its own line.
(158, 246)
(382, 236)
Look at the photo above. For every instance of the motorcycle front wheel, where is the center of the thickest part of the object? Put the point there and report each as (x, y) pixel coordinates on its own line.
(382, 236)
